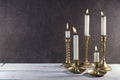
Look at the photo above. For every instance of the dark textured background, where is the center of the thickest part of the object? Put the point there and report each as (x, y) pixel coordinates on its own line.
(33, 30)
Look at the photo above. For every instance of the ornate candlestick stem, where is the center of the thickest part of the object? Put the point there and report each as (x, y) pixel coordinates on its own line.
(104, 65)
(86, 48)
(75, 68)
(67, 63)
(68, 50)
(86, 64)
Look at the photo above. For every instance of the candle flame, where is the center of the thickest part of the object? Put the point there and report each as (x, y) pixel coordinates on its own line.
(102, 13)
(96, 49)
(74, 30)
(87, 11)
(67, 25)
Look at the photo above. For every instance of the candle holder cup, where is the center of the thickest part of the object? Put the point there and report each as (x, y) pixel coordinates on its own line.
(104, 66)
(86, 64)
(97, 71)
(67, 63)
(75, 68)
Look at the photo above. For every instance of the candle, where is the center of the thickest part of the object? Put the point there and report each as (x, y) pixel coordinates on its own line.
(96, 55)
(75, 45)
(86, 23)
(67, 32)
(103, 24)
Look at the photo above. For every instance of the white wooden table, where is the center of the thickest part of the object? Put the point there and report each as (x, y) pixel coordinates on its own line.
(49, 71)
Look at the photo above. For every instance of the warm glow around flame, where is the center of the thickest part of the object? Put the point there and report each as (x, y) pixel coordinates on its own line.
(74, 30)
(96, 49)
(102, 13)
(67, 25)
(87, 11)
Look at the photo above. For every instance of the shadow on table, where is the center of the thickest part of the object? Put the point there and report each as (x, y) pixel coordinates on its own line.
(69, 74)
(90, 76)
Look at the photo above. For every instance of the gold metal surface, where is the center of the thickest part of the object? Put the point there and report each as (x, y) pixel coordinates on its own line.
(97, 71)
(104, 66)
(75, 68)
(67, 63)
(86, 64)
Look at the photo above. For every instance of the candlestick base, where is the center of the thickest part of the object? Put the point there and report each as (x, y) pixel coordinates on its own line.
(97, 71)
(87, 65)
(104, 66)
(66, 65)
(75, 68)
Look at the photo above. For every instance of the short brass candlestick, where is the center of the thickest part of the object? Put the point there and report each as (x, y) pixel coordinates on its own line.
(97, 71)
(86, 64)
(104, 65)
(75, 68)
(67, 63)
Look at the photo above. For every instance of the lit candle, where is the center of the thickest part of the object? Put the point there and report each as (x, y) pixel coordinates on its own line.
(86, 23)
(103, 24)
(67, 32)
(96, 55)
(75, 45)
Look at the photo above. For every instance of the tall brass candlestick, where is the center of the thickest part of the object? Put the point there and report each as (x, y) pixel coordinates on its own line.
(86, 64)
(104, 66)
(67, 63)
(75, 68)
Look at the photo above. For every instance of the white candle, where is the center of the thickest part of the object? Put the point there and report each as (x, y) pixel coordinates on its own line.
(86, 23)
(67, 32)
(103, 24)
(96, 55)
(75, 45)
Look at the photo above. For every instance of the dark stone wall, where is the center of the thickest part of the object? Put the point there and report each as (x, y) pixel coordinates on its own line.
(33, 30)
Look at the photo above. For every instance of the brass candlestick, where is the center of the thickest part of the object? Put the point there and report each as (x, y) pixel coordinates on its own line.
(104, 65)
(86, 64)
(97, 71)
(67, 63)
(75, 68)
